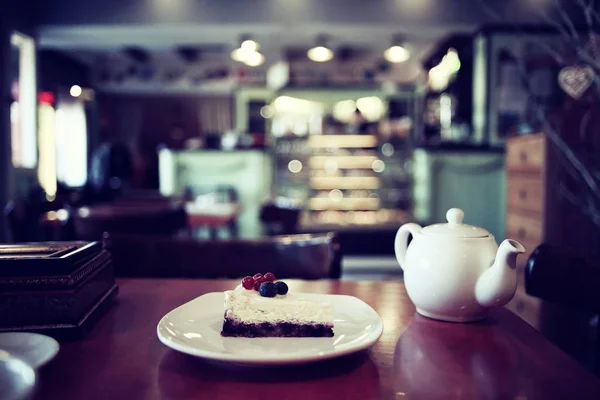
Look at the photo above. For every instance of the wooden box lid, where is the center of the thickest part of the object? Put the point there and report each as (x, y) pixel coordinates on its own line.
(45, 259)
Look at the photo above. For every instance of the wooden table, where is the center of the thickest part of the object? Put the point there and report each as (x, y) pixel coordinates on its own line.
(416, 358)
(214, 216)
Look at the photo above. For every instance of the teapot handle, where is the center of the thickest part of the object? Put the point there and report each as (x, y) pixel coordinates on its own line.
(401, 241)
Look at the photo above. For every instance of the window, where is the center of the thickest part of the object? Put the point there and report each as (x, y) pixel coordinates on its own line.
(47, 144)
(71, 142)
(23, 108)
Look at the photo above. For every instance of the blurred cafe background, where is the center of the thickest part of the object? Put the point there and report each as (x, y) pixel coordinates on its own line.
(226, 121)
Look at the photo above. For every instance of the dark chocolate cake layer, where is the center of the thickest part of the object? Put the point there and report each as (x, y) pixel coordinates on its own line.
(280, 329)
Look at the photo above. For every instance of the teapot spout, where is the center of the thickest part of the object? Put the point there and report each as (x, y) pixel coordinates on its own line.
(497, 285)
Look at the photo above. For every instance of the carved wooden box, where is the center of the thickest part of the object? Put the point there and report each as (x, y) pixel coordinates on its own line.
(54, 288)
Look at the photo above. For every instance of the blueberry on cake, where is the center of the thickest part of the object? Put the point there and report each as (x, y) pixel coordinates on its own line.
(262, 307)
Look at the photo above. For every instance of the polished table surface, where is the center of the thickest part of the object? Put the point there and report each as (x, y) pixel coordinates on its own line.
(416, 358)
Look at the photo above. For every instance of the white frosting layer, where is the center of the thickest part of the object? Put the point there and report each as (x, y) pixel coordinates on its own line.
(250, 307)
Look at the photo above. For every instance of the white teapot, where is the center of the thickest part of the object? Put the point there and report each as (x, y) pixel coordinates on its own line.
(456, 272)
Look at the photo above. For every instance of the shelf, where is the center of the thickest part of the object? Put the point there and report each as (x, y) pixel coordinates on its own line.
(351, 168)
(356, 218)
(342, 162)
(345, 182)
(345, 204)
(342, 141)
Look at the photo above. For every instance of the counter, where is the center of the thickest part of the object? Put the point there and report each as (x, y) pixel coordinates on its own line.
(247, 172)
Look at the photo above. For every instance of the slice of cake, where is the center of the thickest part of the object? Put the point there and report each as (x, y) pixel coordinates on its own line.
(262, 307)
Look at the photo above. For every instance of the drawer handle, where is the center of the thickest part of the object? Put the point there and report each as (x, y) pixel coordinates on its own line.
(521, 233)
(523, 157)
(522, 194)
(520, 306)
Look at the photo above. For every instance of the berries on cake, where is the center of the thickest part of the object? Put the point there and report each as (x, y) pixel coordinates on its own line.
(262, 307)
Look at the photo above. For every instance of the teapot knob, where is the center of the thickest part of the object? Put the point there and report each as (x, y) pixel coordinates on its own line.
(455, 216)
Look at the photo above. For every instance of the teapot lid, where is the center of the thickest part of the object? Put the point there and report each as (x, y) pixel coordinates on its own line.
(455, 227)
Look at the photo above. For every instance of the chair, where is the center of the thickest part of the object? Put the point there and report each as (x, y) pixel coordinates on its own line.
(147, 219)
(280, 217)
(297, 256)
(570, 288)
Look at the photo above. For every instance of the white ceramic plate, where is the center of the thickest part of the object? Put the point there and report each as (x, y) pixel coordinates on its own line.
(195, 328)
(33, 348)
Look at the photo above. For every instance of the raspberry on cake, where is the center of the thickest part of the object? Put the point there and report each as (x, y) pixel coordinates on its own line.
(266, 309)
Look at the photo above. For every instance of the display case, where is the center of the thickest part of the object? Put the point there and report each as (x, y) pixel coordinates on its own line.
(343, 156)
(344, 180)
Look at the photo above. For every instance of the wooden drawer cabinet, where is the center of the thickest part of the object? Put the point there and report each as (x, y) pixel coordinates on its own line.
(527, 307)
(526, 154)
(527, 229)
(526, 207)
(525, 193)
(524, 227)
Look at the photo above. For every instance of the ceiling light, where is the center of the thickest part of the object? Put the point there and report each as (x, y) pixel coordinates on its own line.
(320, 54)
(249, 45)
(239, 54)
(248, 53)
(396, 54)
(254, 59)
(75, 91)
